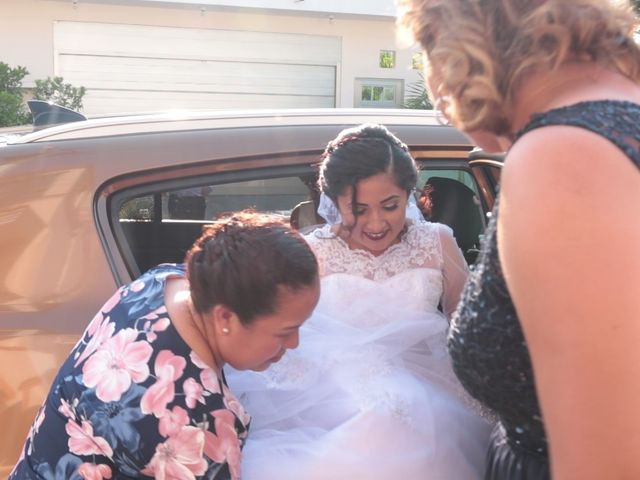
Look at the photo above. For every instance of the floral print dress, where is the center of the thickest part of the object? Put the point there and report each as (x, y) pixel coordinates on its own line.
(133, 400)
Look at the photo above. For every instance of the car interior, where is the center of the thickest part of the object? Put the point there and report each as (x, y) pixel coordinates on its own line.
(160, 227)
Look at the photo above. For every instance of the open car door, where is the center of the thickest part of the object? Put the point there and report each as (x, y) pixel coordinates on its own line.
(486, 169)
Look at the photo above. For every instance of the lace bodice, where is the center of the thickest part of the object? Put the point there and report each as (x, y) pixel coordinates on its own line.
(427, 247)
(419, 247)
(486, 341)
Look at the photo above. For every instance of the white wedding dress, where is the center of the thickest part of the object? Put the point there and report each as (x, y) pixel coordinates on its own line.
(369, 393)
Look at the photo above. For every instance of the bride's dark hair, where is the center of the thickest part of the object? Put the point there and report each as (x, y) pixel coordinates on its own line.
(362, 152)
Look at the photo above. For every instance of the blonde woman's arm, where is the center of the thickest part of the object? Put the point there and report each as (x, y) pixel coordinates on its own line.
(569, 239)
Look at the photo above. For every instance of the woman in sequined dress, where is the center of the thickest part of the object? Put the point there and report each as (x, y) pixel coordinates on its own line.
(370, 392)
(556, 289)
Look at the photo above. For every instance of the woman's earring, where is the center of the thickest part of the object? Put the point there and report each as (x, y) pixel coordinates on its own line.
(439, 109)
(225, 330)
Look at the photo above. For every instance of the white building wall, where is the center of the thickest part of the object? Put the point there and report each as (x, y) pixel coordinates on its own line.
(26, 33)
(380, 8)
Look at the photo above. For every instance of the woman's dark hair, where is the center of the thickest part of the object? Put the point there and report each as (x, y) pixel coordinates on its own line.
(362, 152)
(242, 260)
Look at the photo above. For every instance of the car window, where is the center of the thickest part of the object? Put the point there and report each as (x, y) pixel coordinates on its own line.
(160, 227)
(451, 196)
(157, 223)
(273, 195)
(462, 176)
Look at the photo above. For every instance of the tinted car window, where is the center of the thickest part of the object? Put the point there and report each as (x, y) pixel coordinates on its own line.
(159, 227)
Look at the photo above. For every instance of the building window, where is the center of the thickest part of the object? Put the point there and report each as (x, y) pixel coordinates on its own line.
(416, 61)
(379, 93)
(387, 58)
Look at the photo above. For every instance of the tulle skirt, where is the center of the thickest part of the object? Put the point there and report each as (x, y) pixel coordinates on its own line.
(367, 399)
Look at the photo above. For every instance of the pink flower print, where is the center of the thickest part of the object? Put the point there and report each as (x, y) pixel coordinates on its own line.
(156, 313)
(95, 323)
(224, 446)
(168, 368)
(82, 441)
(197, 361)
(136, 286)
(180, 457)
(91, 471)
(103, 329)
(39, 419)
(112, 302)
(233, 404)
(209, 380)
(35, 427)
(172, 421)
(68, 409)
(158, 326)
(120, 361)
(193, 392)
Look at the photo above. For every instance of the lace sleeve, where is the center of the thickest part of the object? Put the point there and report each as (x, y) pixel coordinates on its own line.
(454, 270)
(320, 241)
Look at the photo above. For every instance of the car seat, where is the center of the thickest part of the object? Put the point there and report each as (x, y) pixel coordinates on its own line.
(451, 202)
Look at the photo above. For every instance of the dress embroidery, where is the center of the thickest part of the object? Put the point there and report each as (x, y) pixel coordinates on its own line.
(418, 248)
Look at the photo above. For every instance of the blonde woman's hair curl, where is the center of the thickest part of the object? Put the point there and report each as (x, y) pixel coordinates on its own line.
(484, 49)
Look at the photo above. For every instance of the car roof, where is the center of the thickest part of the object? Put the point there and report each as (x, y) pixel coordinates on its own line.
(173, 121)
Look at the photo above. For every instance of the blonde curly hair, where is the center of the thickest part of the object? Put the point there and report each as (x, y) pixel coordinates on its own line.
(483, 49)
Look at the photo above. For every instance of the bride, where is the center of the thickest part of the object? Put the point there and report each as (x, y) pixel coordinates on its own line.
(370, 393)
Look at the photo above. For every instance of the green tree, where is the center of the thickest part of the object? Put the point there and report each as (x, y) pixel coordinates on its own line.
(12, 109)
(56, 91)
(417, 97)
(11, 78)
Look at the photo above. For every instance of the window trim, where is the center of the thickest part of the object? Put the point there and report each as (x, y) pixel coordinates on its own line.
(396, 83)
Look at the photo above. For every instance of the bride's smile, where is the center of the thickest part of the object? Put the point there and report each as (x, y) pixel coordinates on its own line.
(377, 219)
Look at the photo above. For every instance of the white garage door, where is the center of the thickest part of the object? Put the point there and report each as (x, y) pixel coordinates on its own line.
(135, 68)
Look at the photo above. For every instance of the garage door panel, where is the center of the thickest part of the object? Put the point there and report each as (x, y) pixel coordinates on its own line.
(193, 76)
(138, 68)
(195, 43)
(104, 102)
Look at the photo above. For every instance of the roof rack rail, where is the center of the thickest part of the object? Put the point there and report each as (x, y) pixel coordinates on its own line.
(47, 114)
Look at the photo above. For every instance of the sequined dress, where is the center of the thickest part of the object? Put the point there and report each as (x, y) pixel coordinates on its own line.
(486, 341)
(370, 392)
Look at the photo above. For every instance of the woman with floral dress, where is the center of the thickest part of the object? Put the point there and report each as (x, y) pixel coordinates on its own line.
(143, 394)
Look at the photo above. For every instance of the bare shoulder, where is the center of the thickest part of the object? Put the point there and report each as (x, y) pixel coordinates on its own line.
(567, 237)
(565, 162)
